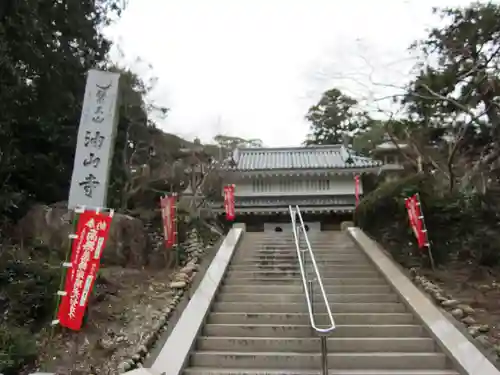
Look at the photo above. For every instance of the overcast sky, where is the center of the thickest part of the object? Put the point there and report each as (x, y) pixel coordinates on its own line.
(252, 68)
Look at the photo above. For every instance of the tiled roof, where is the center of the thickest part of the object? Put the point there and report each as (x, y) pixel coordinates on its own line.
(311, 157)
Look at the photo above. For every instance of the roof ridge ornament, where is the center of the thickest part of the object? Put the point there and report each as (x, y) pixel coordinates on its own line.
(345, 151)
(235, 155)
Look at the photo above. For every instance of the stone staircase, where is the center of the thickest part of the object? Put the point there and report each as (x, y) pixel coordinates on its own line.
(258, 323)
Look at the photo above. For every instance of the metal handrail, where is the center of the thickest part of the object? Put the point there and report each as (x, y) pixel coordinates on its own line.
(308, 285)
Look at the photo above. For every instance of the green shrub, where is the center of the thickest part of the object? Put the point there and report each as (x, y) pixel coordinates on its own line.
(28, 288)
(17, 348)
(386, 204)
(460, 226)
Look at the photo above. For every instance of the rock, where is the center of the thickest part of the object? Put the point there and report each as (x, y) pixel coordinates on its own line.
(149, 340)
(157, 326)
(142, 350)
(124, 367)
(484, 288)
(469, 320)
(107, 344)
(497, 350)
(181, 276)
(484, 328)
(136, 357)
(427, 284)
(450, 303)
(190, 267)
(473, 331)
(467, 309)
(178, 284)
(192, 248)
(440, 298)
(162, 321)
(413, 272)
(457, 313)
(167, 311)
(51, 225)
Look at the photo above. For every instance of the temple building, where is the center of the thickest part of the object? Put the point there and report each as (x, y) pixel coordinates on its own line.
(320, 179)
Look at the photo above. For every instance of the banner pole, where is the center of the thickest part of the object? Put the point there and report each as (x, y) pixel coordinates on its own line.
(356, 189)
(65, 266)
(175, 233)
(428, 244)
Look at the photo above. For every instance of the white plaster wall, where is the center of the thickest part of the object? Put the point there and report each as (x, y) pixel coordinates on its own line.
(333, 185)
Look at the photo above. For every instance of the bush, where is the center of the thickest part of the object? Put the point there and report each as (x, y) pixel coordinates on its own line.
(386, 203)
(29, 288)
(460, 226)
(17, 348)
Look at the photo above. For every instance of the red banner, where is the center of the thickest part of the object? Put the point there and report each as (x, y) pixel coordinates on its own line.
(229, 202)
(91, 234)
(168, 211)
(416, 219)
(356, 189)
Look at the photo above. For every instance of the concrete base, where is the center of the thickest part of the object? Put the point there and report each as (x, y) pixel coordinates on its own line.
(143, 371)
(346, 224)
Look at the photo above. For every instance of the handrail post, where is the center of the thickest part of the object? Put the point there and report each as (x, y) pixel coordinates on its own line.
(311, 295)
(324, 354)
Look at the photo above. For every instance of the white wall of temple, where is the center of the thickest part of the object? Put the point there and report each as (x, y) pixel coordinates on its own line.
(302, 185)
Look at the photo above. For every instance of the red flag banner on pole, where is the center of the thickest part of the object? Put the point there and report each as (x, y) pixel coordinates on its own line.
(168, 212)
(229, 202)
(417, 222)
(88, 243)
(416, 219)
(356, 189)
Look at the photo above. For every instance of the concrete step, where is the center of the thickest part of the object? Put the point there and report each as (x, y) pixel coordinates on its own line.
(324, 273)
(280, 281)
(293, 249)
(330, 258)
(263, 307)
(303, 318)
(302, 246)
(276, 330)
(298, 289)
(351, 256)
(290, 239)
(360, 361)
(220, 371)
(278, 266)
(312, 345)
(293, 259)
(291, 244)
(297, 298)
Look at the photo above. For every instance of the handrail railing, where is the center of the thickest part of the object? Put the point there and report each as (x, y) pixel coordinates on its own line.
(308, 284)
